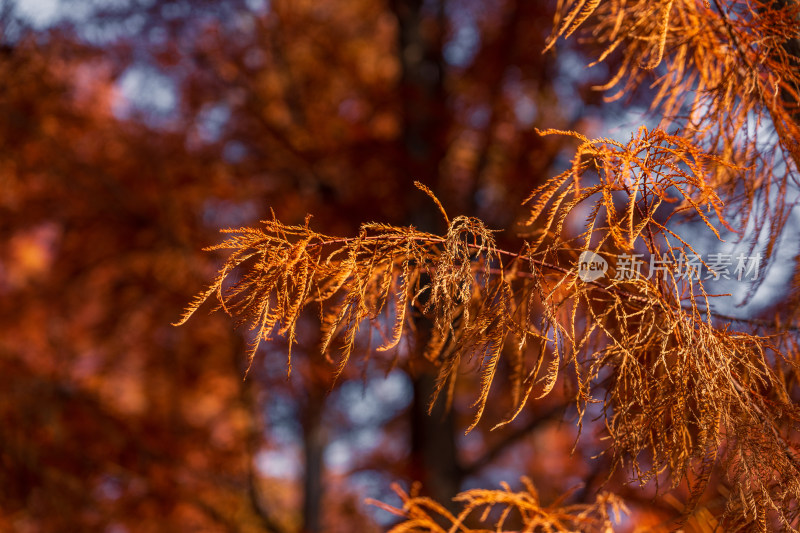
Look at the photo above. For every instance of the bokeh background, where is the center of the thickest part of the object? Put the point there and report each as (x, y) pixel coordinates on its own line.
(132, 131)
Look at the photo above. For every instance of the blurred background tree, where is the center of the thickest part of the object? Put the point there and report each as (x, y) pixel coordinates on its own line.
(133, 130)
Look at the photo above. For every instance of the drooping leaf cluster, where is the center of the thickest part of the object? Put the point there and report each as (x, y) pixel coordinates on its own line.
(681, 390)
(679, 385)
(727, 73)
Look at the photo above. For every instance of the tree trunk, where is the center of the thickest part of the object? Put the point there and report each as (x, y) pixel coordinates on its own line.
(425, 119)
(314, 442)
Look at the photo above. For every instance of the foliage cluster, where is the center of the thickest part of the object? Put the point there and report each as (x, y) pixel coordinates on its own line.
(680, 389)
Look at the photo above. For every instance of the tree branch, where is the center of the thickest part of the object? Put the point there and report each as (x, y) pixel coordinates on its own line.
(557, 268)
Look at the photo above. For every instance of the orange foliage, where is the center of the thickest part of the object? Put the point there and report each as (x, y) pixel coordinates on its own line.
(134, 132)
